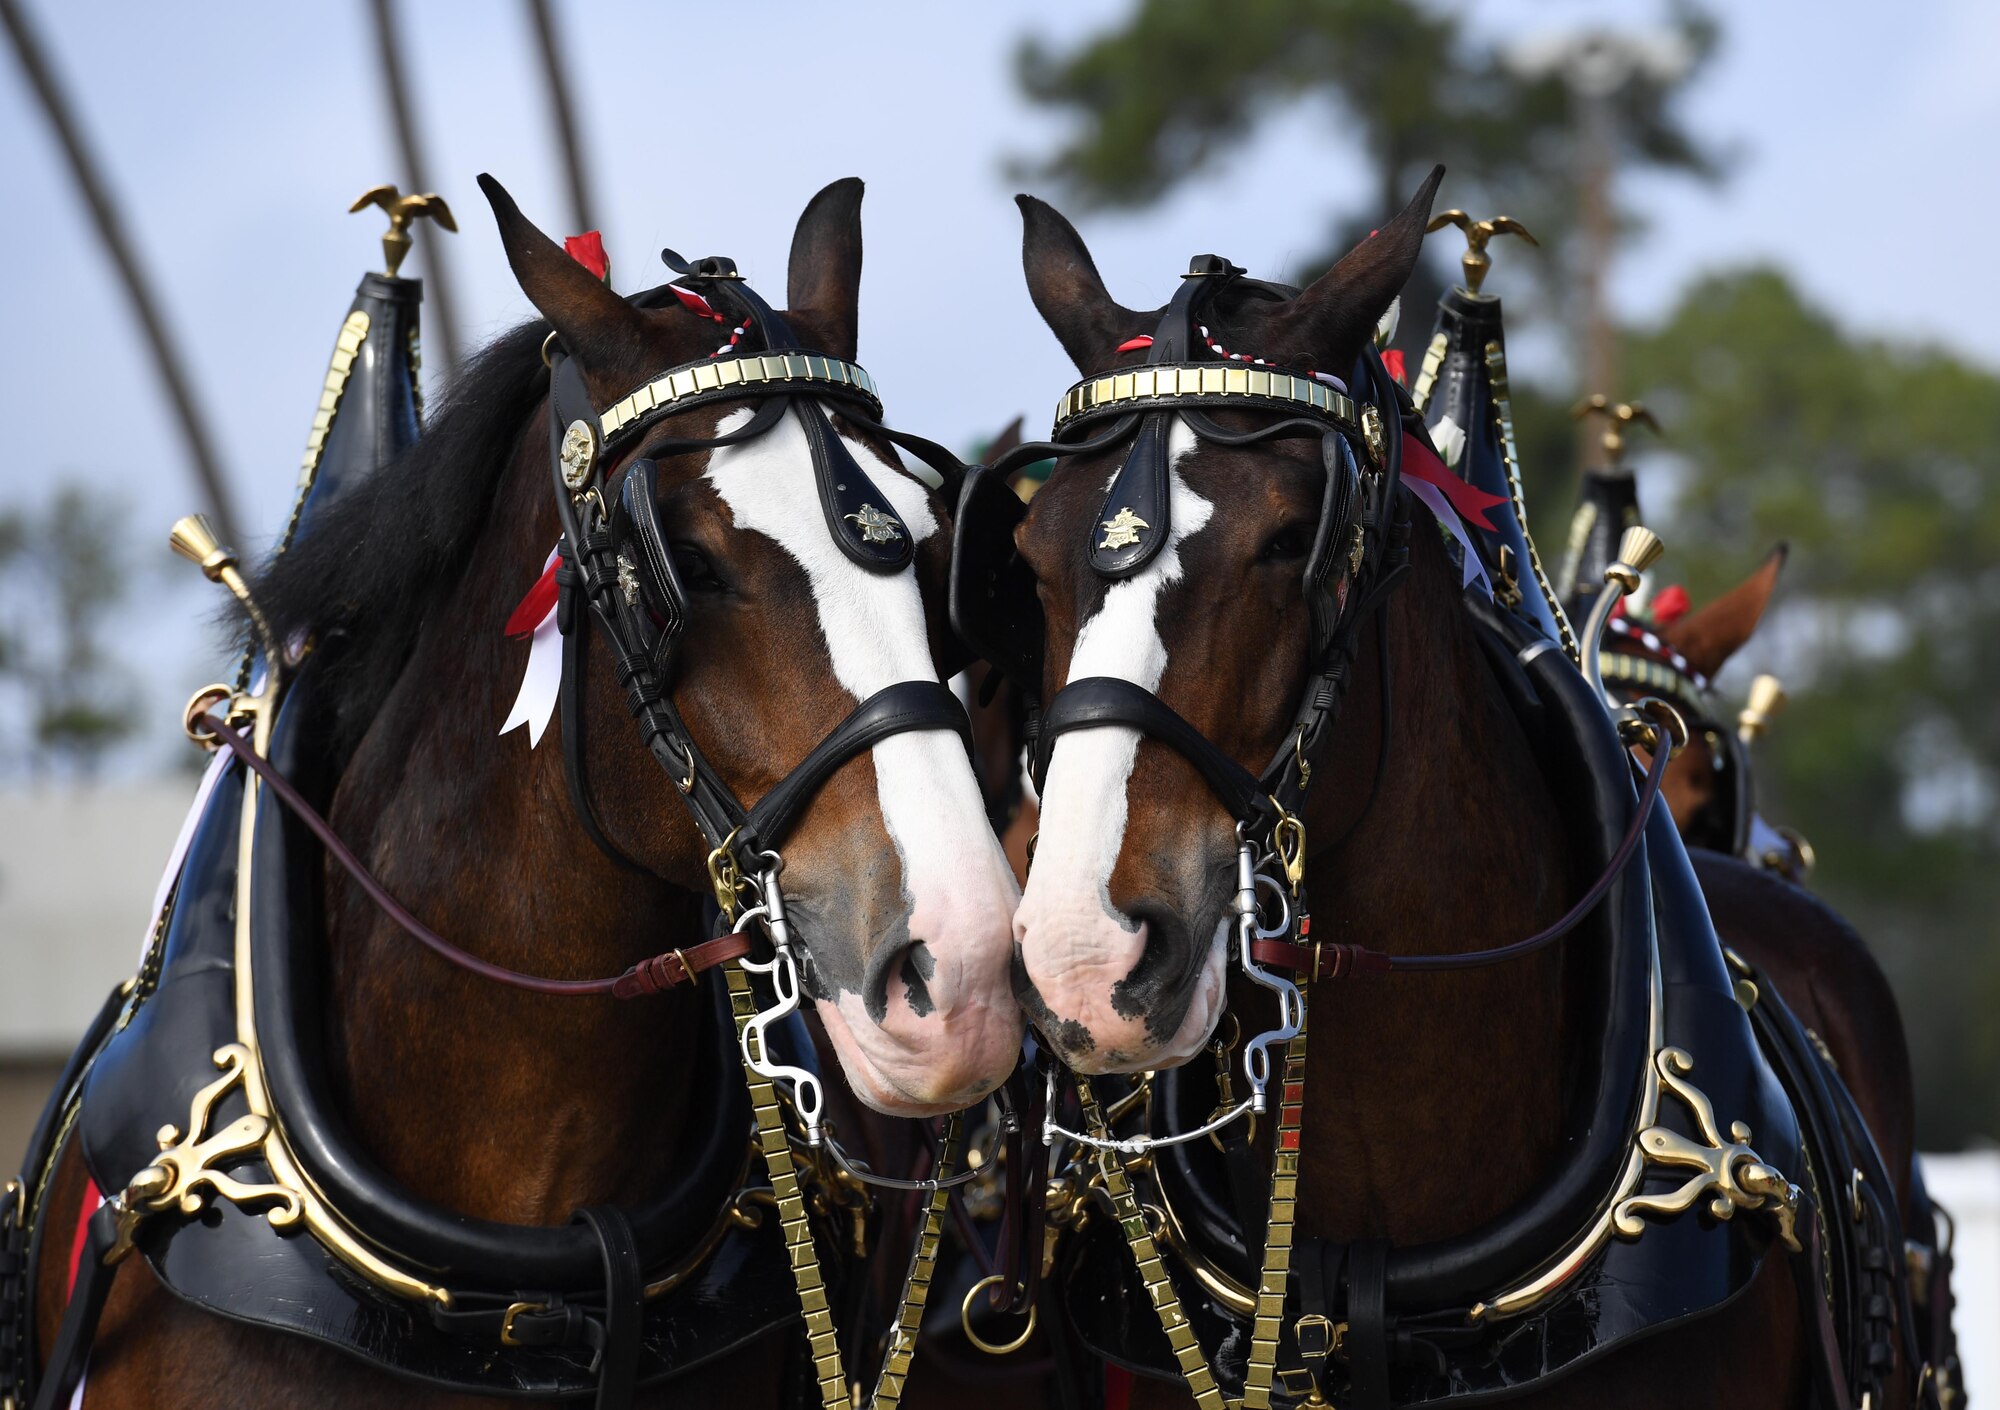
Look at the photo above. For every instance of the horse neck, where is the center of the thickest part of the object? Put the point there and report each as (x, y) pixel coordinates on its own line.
(1434, 1101)
(492, 1101)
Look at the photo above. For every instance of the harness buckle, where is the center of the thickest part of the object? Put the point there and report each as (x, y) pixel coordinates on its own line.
(1373, 434)
(1288, 839)
(726, 877)
(1319, 1337)
(507, 1337)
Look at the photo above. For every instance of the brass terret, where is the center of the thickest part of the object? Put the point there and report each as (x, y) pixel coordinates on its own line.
(193, 538)
(402, 212)
(1617, 416)
(1477, 233)
(1767, 698)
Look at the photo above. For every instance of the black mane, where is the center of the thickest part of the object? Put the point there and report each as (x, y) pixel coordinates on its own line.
(366, 573)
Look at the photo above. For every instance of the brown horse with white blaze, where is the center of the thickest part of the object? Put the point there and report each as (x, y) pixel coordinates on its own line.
(1434, 1104)
(493, 1104)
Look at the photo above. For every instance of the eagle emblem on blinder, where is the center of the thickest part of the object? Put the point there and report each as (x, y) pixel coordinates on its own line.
(876, 527)
(1122, 529)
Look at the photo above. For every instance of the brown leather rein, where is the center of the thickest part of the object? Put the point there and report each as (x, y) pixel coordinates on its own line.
(649, 976)
(1322, 960)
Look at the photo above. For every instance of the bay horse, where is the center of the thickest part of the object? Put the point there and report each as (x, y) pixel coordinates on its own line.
(1433, 1105)
(489, 1103)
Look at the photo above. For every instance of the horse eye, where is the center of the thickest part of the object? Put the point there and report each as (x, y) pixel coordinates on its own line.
(1294, 541)
(697, 574)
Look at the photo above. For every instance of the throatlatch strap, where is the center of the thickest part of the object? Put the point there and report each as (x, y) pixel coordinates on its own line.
(86, 1304)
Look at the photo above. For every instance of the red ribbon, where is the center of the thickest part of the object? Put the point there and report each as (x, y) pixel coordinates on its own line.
(1392, 360)
(536, 606)
(1670, 604)
(587, 250)
(1138, 344)
(1470, 501)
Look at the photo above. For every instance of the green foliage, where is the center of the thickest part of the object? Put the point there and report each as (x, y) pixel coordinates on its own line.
(63, 573)
(1880, 464)
(1180, 84)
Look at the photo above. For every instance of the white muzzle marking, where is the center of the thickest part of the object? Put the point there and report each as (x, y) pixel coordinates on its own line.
(956, 881)
(1075, 943)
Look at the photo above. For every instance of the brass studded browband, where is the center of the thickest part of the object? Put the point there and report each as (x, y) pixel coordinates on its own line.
(1175, 385)
(1653, 676)
(720, 378)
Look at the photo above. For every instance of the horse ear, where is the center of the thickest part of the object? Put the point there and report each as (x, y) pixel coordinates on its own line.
(1709, 636)
(1067, 290)
(597, 326)
(824, 277)
(1335, 318)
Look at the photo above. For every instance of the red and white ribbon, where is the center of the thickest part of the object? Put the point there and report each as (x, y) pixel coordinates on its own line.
(541, 683)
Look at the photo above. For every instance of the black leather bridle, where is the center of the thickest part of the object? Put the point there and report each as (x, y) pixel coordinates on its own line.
(617, 562)
(1359, 555)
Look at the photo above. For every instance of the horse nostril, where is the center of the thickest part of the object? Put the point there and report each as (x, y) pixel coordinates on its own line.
(914, 964)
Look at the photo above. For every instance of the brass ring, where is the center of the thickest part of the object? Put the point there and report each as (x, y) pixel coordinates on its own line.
(198, 707)
(1666, 714)
(965, 1320)
(546, 342)
(686, 785)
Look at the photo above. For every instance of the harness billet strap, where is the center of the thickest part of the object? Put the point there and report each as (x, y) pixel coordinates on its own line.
(618, 561)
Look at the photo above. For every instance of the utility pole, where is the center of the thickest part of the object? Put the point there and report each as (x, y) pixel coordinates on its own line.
(416, 173)
(83, 168)
(583, 210)
(1597, 66)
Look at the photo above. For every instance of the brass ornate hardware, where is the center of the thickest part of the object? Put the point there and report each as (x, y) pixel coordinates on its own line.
(1729, 1174)
(1617, 417)
(1123, 529)
(403, 211)
(1375, 438)
(1510, 454)
(1477, 232)
(185, 1172)
(876, 526)
(1639, 548)
(578, 454)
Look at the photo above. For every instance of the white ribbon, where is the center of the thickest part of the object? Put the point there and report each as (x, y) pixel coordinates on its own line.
(1434, 500)
(541, 683)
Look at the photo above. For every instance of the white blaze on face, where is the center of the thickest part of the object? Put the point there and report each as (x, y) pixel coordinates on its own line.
(955, 877)
(1074, 942)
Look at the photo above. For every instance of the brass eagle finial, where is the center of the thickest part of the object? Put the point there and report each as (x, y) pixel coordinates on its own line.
(1477, 233)
(1617, 416)
(402, 212)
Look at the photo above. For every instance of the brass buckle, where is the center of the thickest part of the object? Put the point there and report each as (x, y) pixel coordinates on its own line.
(724, 876)
(514, 1310)
(1329, 1337)
(1288, 839)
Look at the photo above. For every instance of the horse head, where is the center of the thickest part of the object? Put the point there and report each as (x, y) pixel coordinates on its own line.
(1208, 580)
(781, 567)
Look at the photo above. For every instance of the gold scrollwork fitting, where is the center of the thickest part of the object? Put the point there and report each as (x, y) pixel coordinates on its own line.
(185, 1172)
(1728, 1172)
(578, 454)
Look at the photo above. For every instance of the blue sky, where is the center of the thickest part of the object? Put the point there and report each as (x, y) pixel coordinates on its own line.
(236, 142)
